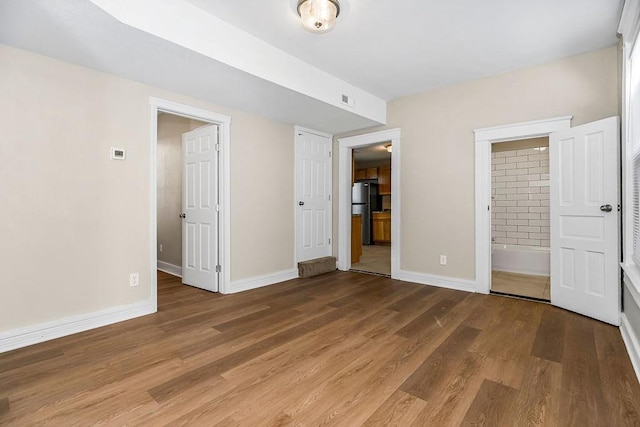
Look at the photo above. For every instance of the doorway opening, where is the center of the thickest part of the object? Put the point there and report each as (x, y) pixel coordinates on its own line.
(584, 232)
(345, 185)
(484, 139)
(520, 220)
(371, 209)
(167, 120)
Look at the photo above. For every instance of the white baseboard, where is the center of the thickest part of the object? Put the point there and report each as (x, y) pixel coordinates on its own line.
(523, 271)
(22, 337)
(439, 281)
(633, 286)
(174, 270)
(632, 342)
(258, 282)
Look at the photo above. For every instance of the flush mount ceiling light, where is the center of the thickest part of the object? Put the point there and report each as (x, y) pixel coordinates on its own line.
(388, 147)
(318, 16)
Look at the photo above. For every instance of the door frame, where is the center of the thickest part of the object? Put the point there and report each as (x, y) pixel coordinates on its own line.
(345, 148)
(297, 130)
(483, 139)
(224, 228)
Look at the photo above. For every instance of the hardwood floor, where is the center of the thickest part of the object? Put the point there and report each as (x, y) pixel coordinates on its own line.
(343, 348)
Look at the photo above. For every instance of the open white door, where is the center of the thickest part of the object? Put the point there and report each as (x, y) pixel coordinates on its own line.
(200, 208)
(584, 220)
(313, 196)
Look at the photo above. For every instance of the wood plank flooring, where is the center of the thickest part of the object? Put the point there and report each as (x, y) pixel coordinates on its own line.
(339, 349)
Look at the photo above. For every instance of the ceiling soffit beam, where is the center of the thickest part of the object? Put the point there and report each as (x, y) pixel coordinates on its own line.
(182, 23)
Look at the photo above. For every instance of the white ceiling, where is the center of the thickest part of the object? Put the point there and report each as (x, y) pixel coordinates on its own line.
(373, 153)
(79, 32)
(389, 48)
(393, 48)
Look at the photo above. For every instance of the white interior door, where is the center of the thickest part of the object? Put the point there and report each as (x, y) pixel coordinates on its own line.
(313, 196)
(200, 208)
(584, 220)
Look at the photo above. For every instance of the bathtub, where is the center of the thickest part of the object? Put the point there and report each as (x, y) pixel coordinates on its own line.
(521, 259)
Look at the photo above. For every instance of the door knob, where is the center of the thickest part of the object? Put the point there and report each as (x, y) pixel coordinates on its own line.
(300, 203)
(183, 215)
(606, 208)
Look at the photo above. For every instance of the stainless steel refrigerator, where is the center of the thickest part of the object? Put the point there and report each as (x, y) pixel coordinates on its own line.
(364, 201)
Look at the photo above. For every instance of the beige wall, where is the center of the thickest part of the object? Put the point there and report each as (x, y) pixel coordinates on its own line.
(170, 130)
(437, 164)
(262, 198)
(75, 224)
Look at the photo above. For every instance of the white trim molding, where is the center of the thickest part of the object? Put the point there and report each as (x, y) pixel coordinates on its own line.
(224, 123)
(172, 269)
(22, 337)
(345, 148)
(629, 26)
(313, 131)
(261, 281)
(483, 140)
(439, 281)
(632, 280)
(632, 342)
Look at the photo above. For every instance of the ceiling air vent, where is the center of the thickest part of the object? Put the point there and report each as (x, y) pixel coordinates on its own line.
(348, 100)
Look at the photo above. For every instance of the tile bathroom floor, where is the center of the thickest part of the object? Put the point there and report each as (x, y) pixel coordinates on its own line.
(521, 285)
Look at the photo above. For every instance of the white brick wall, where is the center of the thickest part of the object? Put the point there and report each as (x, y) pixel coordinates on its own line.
(520, 197)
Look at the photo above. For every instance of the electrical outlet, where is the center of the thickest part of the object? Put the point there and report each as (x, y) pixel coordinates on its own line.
(134, 279)
(161, 247)
(443, 260)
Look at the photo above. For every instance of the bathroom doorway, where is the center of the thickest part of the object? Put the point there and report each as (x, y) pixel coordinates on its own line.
(520, 218)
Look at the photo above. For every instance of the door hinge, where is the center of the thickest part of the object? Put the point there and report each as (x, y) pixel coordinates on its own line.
(218, 268)
(329, 197)
(329, 240)
(329, 153)
(217, 147)
(218, 208)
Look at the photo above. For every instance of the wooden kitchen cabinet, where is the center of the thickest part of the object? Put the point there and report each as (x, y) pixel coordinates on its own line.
(372, 173)
(366, 173)
(382, 227)
(384, 180)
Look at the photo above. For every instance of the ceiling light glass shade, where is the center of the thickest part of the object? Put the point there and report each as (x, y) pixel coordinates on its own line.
(389, 148)
(318, 16)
